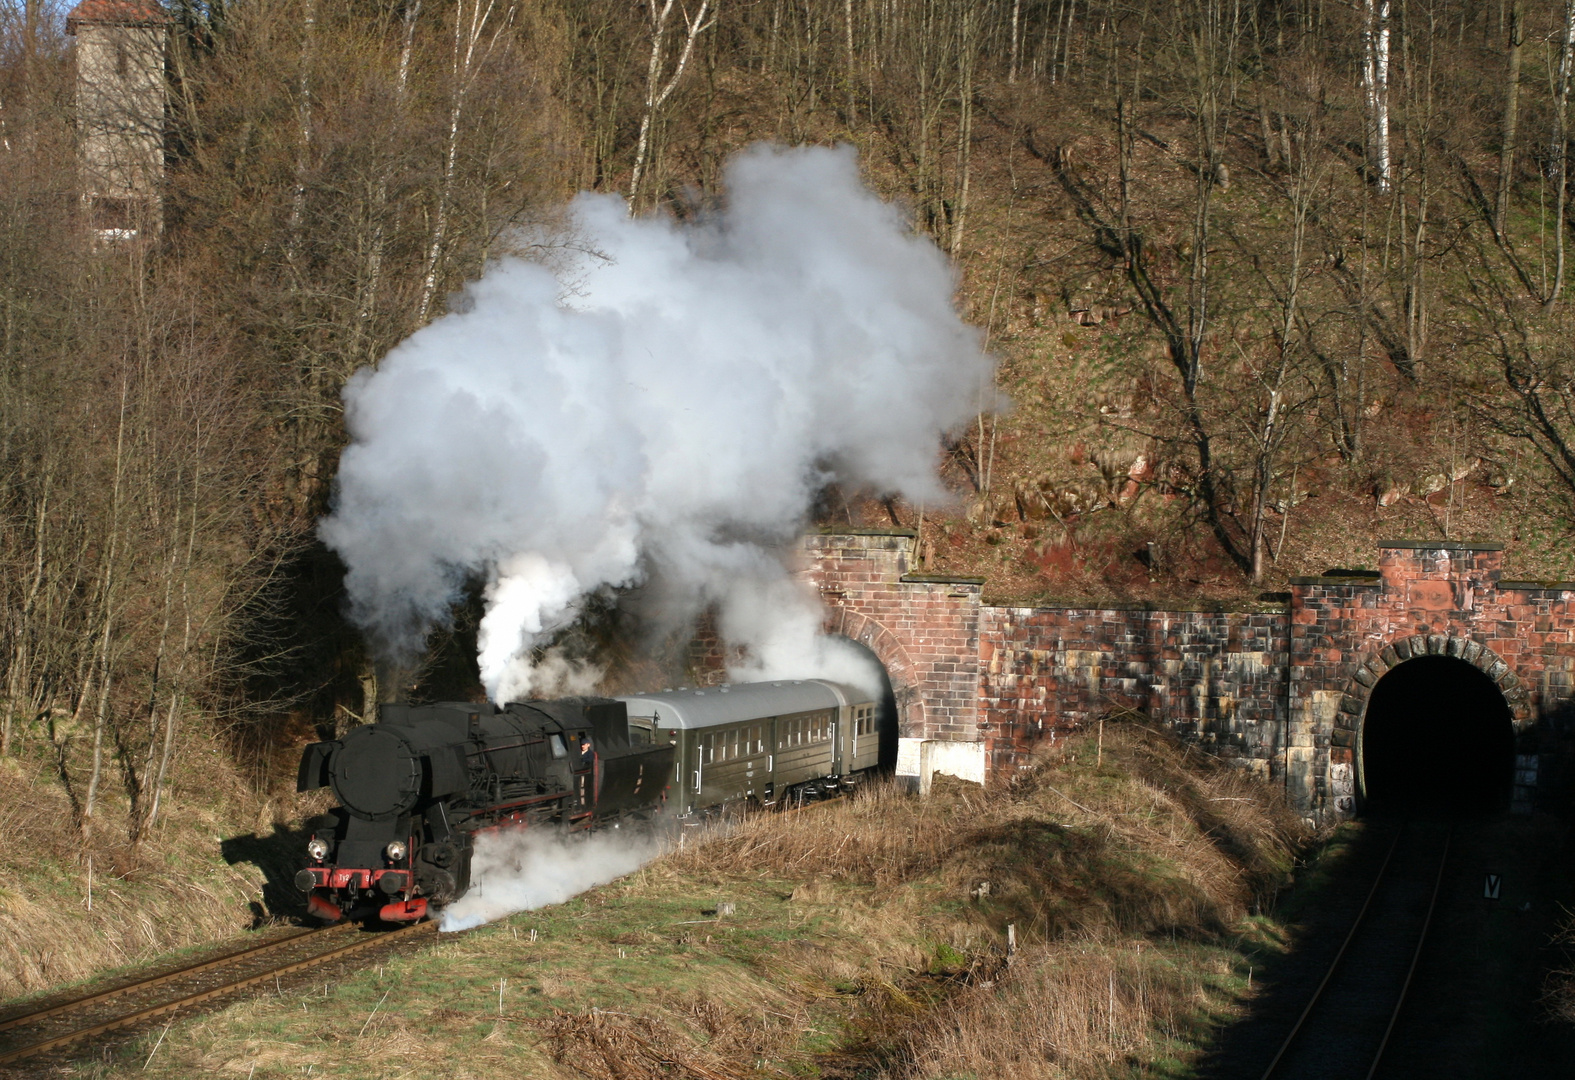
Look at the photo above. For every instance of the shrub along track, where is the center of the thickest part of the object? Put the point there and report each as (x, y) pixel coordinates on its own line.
(56, 1024)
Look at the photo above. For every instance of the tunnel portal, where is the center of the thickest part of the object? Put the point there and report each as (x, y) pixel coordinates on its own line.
(1437, 735)
(886, 716)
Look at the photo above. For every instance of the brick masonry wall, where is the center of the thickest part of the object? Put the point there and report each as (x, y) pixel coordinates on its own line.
(1281, 689)
(924, 630)
(1428, 599)
(1216, 676)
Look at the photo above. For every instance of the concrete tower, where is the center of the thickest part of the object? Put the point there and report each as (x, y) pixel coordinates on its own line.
(121, 99)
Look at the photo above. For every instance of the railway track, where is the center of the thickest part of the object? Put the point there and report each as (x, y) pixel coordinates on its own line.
(55, 1025)
(1346, 1024)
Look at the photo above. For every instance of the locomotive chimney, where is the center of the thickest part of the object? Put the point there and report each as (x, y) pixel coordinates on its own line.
(121, 97)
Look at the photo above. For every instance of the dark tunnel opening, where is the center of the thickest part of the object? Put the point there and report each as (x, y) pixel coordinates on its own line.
(886, 713)
(1438, 735)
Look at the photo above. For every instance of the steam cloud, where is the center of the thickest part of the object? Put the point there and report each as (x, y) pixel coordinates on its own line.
(521, 870)
(662, 412)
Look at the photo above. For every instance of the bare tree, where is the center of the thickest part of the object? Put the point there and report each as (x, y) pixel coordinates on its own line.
(1375, 86)
(658, 88)
(476, 36)
(1506, 154)
(1558, 150)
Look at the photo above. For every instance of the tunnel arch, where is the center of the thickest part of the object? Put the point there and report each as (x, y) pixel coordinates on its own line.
(1436, 726)
(907, 702)
(886, 712)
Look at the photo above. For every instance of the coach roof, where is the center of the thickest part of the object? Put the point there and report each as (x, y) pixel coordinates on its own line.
(715, 705)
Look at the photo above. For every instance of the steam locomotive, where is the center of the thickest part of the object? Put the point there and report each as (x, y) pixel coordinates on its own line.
(416, 787)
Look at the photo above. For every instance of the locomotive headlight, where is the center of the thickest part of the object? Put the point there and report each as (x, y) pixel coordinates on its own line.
(395, 851)
(317, 849)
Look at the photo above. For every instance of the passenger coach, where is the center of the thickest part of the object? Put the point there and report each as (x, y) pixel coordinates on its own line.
(764, 741)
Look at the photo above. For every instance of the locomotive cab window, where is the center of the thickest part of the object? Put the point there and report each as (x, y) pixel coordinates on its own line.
(558, 749)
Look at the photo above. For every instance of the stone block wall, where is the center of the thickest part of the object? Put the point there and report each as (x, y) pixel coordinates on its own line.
(1441, 598)
(120, 111)
(1280, 688)
(1215, 675)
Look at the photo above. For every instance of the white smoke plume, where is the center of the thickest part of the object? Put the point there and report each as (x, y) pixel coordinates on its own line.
(663, 410)
(521, 870)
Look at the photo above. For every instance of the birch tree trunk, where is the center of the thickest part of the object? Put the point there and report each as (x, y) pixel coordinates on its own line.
(1017, 19)
(1506, 153)
(967, 58)
(469, 55)
(100, 662)
(1375, 88)
(303, 130)
(655, 98)
(17, 675)
(1271, 433)
(377, 247)
(1558, 152)
(178, 683)
(853, 80)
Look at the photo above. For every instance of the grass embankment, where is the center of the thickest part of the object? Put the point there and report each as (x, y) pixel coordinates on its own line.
(862, 941)
(78, 901)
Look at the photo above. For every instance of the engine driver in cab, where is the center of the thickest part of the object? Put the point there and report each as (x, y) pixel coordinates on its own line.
(587, 755)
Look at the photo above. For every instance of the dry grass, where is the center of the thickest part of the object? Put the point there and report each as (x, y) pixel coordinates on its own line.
(1077, 1010)
(72, 906)
(1155, 837)
(859, 945)
(1122, 871)
(601, 1044)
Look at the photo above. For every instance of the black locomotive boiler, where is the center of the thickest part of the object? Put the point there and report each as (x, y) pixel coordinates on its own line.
(416, 787)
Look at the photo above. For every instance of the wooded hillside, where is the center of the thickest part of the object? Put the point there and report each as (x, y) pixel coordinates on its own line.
(1267, 281)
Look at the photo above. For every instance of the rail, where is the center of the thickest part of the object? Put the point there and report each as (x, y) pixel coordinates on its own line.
(1334, 965)
(135, 1016)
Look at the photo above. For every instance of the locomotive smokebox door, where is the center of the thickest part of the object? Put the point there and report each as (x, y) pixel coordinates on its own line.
(376, 774)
